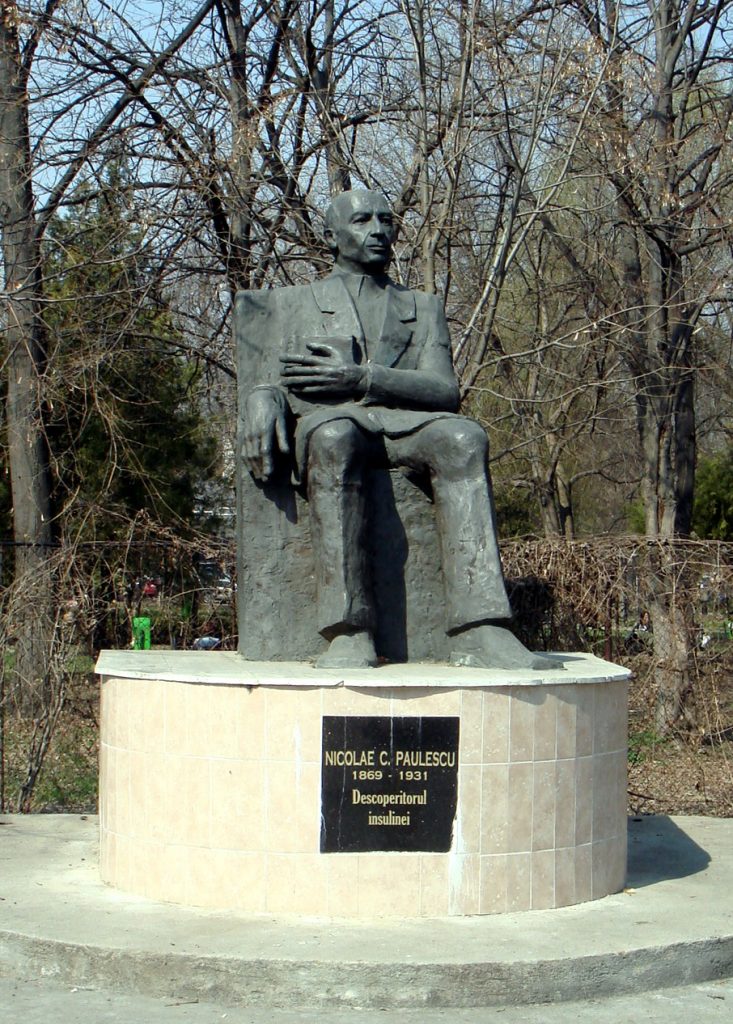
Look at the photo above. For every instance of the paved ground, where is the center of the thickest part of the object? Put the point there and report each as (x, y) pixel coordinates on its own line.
(44, 1003)
(112, 956)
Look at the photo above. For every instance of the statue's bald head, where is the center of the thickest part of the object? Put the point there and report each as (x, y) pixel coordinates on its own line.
(344, 203)
(359, 230)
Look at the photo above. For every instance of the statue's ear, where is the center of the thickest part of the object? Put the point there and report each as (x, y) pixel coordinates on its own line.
(329, 236)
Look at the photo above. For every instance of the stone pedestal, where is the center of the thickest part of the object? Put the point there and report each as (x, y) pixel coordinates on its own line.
(211, 785)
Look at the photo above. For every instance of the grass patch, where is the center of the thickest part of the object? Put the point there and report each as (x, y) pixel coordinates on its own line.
(644, 745)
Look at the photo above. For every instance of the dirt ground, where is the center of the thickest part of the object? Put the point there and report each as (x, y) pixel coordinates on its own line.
(678, 780)
(691, 773)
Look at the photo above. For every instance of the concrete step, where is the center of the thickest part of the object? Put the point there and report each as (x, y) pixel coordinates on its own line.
(673, 925)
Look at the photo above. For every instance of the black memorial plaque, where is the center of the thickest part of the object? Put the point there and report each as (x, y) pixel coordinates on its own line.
(388, 784)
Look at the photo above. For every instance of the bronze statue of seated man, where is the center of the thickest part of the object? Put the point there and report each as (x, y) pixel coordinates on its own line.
(366, 373)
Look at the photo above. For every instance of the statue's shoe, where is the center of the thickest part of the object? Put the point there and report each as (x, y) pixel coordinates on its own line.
(349, 650)
(489, 646)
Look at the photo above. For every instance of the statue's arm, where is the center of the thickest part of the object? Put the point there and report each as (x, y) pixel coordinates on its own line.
(263, 408)
(433, 384)
(410, 389)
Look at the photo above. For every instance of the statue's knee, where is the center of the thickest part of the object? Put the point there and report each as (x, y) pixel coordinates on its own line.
(459, 444)
(334, 443)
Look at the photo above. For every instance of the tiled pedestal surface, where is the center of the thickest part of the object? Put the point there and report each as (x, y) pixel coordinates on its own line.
(210, 786)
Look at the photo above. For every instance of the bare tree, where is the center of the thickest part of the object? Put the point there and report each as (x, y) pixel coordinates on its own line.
(30, 33)
(661, 148)
(25, 350)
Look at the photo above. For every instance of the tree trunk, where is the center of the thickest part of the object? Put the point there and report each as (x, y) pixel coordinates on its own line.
(658, 336)
(671, 621)
(28, 457)
(240, 212)
(667, 445)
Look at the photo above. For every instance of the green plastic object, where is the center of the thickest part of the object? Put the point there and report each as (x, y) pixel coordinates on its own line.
(141, 633)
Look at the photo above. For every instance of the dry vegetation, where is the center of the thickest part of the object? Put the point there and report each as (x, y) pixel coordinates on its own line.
(580, 596)
(49, 735)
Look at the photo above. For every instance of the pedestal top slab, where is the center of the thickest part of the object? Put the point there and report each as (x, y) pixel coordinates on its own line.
(227, 668)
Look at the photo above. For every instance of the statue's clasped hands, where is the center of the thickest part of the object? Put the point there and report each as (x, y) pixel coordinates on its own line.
(328, 368)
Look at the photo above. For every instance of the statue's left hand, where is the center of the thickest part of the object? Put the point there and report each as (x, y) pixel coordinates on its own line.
(324, 370)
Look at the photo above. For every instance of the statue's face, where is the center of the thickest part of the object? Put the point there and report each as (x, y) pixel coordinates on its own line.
(362, 231)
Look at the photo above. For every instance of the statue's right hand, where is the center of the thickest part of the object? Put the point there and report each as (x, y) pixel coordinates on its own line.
(265, 431)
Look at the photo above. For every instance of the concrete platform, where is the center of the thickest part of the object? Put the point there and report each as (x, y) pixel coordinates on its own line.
(673, 925)
(227, 668)
(215, 786)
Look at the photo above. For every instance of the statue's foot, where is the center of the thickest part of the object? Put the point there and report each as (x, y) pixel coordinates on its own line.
(349, 650)
(489, 646)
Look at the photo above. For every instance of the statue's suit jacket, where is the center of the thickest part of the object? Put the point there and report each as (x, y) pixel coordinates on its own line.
(412, 381)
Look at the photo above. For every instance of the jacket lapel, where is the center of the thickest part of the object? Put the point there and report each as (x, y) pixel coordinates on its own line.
(399, 324)
(338, 313)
